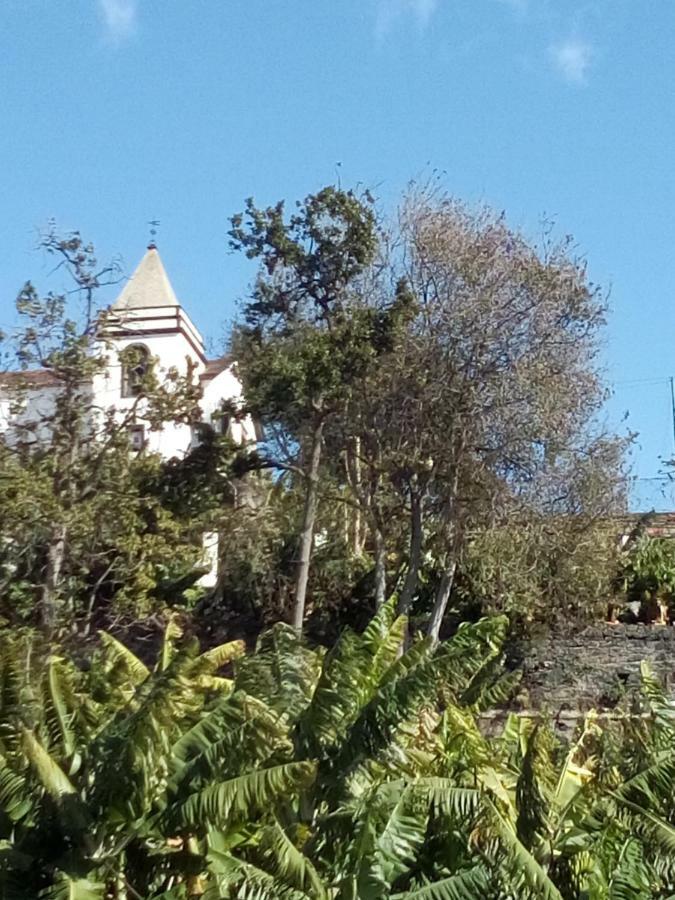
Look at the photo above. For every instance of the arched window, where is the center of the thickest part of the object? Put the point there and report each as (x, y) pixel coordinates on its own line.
(222, 422)
(135, 366)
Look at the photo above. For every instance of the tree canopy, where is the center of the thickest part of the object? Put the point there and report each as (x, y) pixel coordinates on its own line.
(451, 373)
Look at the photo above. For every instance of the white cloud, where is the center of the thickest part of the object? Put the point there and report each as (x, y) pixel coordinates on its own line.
(389, 12)
(572, 59)
(119, 17)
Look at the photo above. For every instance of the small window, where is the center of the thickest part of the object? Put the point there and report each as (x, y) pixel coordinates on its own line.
(137, 437)
(200, 431)
(221, 422)
(225, 425)
(135, 369)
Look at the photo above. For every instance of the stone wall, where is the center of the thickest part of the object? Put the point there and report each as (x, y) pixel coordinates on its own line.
(595, 666)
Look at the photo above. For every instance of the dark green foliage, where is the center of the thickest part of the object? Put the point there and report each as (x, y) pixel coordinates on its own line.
(301, 345)
(360, 773)
(92, 534)
(648, 574)
(305, 343)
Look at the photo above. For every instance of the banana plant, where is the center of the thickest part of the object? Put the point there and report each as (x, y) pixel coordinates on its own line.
(360, 773)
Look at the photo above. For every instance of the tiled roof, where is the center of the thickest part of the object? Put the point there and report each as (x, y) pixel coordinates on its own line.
(30, 378)
(46, 378)
(215, 367)
(654, 524)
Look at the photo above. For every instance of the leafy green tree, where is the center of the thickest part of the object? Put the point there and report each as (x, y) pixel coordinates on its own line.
(77, 529)
(301, 346)
(647, 573)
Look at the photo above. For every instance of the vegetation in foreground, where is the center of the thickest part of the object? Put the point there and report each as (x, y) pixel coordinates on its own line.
(358, 773)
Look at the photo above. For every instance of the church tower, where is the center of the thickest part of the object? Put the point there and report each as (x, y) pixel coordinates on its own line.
(147, 312)
(148, 317)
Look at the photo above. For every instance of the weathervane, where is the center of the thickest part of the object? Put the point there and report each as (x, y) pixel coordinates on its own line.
(154, 225)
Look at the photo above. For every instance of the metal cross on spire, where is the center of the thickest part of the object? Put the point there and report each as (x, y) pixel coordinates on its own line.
(154, 225)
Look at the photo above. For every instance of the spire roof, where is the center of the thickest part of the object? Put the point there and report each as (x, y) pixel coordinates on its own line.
(149, 285)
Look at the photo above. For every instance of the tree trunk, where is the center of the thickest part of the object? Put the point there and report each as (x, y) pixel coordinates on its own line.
(412, 577)
(55, 555)
(307, 535)
(453, 527)
(380, 567)
(357, 545)
(441, 600)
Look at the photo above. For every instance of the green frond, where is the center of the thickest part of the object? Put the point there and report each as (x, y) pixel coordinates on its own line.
(380, 625)
(521, 868)
(535, 789)
(223, 654)
(131, 756)
(236, 733)
(52, 778)
(490, 687)
(654, 784)
(65, 888)
(652, 688)
(395, 845)
(282, 672)
(489, 632)
(351, 674)
(60, 705)
(418, 653)
(15, 799)
(214, 683)
(335, 700)
(410, 684)
(577, 776)
(118, 654)
(233, 877)
(445, 796)
(388, 650)
(469, 652)
(514, 736)
(660, 832)
(20, 700)
(289, 864)
(468, 885)
(661, 706)
(172, 633)
(631, 880)
(247, 795)
(463, 743)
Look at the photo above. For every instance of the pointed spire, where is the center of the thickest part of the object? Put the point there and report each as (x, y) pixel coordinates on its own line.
(148, 286)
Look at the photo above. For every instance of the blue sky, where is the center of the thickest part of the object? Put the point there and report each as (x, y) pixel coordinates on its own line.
(116, 112)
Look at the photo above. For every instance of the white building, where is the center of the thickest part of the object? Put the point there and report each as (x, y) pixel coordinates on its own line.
(148, 317)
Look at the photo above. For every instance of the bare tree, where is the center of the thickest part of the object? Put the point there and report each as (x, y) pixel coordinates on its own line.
(490, 402)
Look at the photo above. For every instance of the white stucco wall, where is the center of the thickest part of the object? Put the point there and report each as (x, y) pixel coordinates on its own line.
(167, 351)
(25, 410)
(226, 386)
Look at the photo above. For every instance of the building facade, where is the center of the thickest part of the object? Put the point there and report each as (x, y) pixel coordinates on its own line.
(149, 323)
(148, 320)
